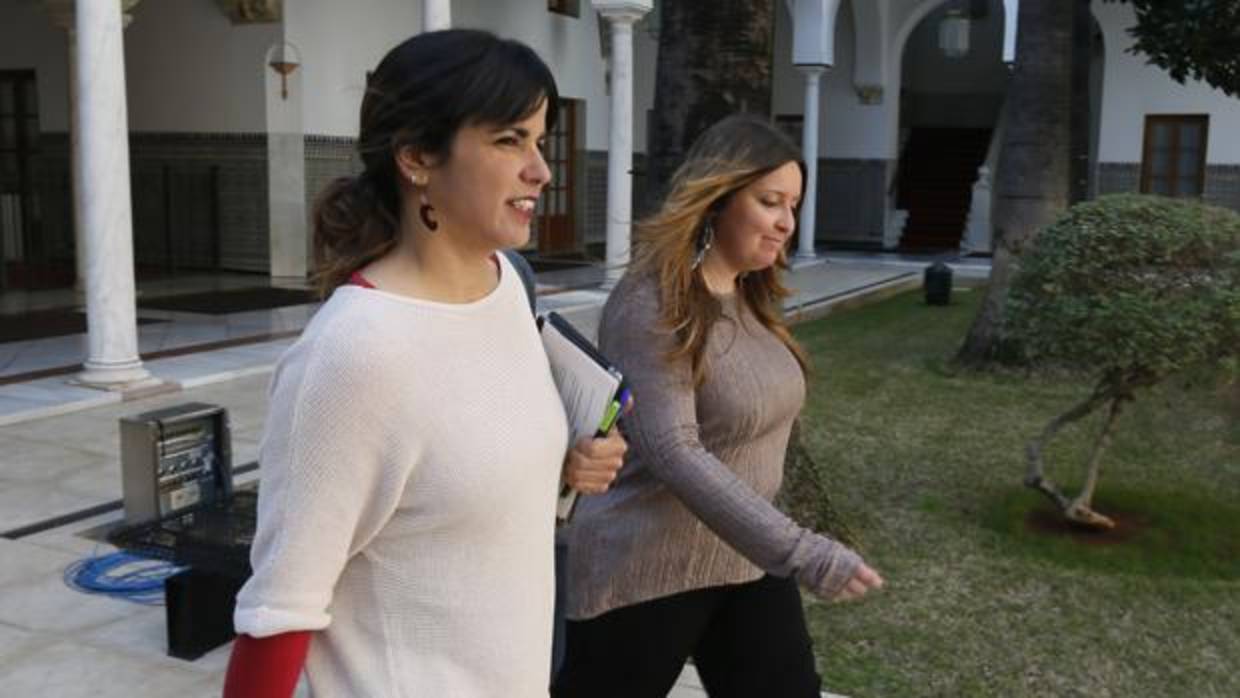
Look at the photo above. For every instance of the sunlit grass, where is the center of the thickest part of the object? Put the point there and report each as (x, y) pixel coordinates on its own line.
(927, 465)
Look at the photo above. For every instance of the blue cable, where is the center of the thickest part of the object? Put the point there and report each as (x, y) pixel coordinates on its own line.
(121, 575)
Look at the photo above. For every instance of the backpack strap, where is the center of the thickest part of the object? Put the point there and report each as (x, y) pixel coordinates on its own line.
(526, 272)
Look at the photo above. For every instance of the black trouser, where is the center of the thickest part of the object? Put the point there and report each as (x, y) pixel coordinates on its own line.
(746, 640)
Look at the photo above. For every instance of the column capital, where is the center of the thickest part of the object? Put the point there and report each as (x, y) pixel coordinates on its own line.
(62, 12)
(623, 11)
(252, 11)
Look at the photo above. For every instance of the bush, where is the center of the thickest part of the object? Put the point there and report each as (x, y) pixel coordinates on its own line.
(1130, 288)
(1135, 284)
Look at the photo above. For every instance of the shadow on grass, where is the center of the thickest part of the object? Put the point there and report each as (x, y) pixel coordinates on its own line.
(1164, 534)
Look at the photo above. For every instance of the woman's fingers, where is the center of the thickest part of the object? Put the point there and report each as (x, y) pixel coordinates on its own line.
(611, 446)
(863, 580)
(592, 465)
(869, 577)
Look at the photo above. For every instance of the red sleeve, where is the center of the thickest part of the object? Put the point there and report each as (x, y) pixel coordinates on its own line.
(266, 667)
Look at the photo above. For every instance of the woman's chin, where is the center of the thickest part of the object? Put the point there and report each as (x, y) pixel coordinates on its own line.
(510, 239)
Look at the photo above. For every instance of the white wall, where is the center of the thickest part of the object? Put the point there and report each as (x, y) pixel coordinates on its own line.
(29, 41)
(339, 42)
(570, 46)
(1132, 89)
(188, 69)
(847, 128)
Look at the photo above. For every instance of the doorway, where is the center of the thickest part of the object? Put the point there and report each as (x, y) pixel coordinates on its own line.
(28, 259)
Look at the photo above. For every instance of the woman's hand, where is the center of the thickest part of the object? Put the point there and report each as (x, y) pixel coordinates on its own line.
(862, 581)
(591, 466)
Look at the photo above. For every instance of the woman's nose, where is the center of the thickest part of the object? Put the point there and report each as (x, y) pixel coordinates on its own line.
(536, 171)
(787, 221)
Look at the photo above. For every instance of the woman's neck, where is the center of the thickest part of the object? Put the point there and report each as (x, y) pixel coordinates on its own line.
(434, 266)
(719, 276)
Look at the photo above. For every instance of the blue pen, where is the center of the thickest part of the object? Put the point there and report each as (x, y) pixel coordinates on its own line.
(626, 399)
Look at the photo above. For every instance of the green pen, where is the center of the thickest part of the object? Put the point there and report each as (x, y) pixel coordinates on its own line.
(613, 413)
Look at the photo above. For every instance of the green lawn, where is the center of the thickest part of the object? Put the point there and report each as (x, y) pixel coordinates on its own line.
(927, 466)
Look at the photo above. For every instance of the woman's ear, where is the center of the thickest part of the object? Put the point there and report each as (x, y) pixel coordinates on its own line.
(414, 165)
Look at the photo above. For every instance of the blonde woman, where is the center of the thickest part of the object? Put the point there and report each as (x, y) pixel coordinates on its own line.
(686, 556)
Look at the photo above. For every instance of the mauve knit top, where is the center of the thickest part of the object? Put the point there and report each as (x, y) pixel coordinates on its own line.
(691, 507)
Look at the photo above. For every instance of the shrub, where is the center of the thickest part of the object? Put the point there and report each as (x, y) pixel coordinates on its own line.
(1130, 288)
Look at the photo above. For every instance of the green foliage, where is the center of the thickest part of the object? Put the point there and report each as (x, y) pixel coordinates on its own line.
(806, 493)
(1132, 287)
(1191, 38)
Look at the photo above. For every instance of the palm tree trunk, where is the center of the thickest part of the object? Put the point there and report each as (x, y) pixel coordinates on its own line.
(1033, 175)
(715, 59)
(1082, 62)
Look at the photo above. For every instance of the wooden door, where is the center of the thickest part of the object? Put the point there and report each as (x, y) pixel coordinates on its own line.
(555, 223)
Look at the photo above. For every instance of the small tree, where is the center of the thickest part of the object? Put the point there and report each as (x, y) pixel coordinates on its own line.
(1195, 39)
(1131, 288)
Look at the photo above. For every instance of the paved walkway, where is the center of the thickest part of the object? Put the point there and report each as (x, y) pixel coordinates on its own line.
(59, 459)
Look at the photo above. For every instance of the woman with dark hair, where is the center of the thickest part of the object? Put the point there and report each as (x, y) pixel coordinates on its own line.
(415, 438)
(686, 556)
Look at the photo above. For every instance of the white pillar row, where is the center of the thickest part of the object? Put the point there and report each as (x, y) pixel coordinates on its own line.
(436, 14)
(809, 153)
(813, 51)
(106, 214)
(622, 16)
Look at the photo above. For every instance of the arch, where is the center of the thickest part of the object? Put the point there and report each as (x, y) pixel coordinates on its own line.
(1010, 15)
(914, 18)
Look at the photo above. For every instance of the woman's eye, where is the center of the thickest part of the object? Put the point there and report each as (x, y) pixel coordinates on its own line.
(507, 140)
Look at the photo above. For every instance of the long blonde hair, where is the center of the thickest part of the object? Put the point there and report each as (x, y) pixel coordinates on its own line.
(726, 158)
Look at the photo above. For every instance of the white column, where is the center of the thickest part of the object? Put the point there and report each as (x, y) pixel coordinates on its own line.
(61, 12)
(622, 16)
(813, 51)
(103, 144)
(436, 14)
(809, 153)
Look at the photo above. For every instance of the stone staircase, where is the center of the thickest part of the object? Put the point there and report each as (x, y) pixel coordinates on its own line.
(935, 185)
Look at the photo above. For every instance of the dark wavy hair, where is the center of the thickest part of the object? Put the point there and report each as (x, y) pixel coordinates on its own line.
(423, 91)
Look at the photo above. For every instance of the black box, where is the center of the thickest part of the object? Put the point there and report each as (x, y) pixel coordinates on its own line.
(200, 611)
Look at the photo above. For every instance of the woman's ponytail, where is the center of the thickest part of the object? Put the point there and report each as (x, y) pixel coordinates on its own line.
(354, 224)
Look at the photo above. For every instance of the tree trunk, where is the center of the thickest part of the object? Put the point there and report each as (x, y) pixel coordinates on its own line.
(1082, 134)
(1081, 509)
(1031, 184)
(715, 59)
(1035, 464)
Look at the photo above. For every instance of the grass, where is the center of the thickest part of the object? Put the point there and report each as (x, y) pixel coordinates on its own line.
(926, 465)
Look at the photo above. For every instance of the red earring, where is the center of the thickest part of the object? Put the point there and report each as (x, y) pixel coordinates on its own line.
(424, 212)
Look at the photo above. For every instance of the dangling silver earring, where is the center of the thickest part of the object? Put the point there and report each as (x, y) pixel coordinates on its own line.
(705, 239)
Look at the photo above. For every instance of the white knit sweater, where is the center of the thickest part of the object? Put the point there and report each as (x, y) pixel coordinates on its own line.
(406, 506)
